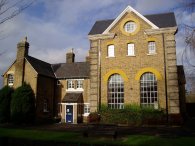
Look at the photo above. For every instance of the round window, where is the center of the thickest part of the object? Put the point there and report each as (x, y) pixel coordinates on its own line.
(130, 26)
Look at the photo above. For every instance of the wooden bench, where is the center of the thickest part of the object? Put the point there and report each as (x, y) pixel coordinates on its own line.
(100, 130)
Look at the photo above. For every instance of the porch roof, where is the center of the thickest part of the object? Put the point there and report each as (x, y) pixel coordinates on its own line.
(73, 98)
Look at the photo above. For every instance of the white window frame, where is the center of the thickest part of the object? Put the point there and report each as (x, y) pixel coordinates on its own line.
(130, 26)
(86, 109)
(115, 92)
(151, 47)
(10, 80)
(70, 84)
(111, 51)
(148, 90)
(79, 84)
(131, 49)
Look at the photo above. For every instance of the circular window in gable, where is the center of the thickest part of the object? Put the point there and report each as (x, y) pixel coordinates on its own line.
(130, 26)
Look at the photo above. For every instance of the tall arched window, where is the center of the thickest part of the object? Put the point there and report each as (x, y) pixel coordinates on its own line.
(116, 92)
(148, 90)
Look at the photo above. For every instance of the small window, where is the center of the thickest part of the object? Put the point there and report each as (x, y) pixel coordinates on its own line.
(86, 109)
(79, 84)
(45, 105)
(130, 26)
(131, 50)
(151, 47)
(70, 84)
(111, 51)
(10, 80)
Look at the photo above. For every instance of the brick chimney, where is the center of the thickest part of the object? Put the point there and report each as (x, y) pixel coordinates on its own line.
(70, 57)
(22, 52)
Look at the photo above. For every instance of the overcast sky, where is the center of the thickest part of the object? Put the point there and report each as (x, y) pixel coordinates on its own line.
(55, 26)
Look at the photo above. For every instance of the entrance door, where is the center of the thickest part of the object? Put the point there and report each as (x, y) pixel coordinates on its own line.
(69, 113)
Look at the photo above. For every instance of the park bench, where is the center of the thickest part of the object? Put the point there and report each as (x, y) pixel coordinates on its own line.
(99, 130)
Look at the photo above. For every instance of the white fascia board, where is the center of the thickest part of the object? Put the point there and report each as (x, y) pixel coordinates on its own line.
(130, 9)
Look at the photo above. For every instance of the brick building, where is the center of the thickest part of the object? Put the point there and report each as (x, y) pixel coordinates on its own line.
(132, 60)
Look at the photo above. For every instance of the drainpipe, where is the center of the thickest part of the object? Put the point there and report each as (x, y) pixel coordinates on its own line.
(99, 74)
(165, 72)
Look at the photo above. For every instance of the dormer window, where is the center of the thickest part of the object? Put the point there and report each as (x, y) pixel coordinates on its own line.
(10, 80)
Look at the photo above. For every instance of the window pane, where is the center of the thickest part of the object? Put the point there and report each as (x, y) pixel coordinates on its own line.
(115, 92)
(130, 49)
(148, 89)
(151, 47)
(111, 51)
(10, 79)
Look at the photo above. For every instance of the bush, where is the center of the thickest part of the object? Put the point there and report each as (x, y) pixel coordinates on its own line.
(131, 115)
(94, 118)
(23, 105)
(5, 99)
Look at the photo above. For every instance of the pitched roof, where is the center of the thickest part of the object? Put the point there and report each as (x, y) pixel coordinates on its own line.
(41, 67)
(73, 98)
(160, 20)
(71, 70)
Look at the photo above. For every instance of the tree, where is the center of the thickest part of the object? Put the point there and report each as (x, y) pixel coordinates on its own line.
(5, 99)
(23, 105)
(11, 8)
(188, 28)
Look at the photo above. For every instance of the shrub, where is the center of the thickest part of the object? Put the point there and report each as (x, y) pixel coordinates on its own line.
(23, 105)
(94, 117)
(5, 99)
(131, 115)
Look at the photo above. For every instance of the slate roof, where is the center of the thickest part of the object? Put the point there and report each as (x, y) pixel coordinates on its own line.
(73, 98)
(71, 70)
(41, 67)
(160, 20)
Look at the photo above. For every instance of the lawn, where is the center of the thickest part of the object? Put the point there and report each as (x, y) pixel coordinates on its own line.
(77, 138)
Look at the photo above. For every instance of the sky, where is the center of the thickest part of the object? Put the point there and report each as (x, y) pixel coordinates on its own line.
(53, 27)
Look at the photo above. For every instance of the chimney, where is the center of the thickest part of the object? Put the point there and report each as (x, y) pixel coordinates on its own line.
(22, 52)
(22, 49)
(70, 57)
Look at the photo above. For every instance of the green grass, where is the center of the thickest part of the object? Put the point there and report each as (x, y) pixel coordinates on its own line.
(130, 140)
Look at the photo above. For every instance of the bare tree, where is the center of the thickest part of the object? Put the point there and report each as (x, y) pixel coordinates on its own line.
(188, 29)
(11, 8)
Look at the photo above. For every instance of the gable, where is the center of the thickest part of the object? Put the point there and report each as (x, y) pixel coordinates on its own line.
(41, 67)
(160, 20)
(127, 10)
(11, 69)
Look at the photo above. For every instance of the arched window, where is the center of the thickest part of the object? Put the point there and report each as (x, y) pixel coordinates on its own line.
(10, 80)
(116, 92)
(148, 90)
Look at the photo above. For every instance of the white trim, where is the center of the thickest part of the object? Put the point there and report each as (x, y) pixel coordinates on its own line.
(129, 9)
(74, 90)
